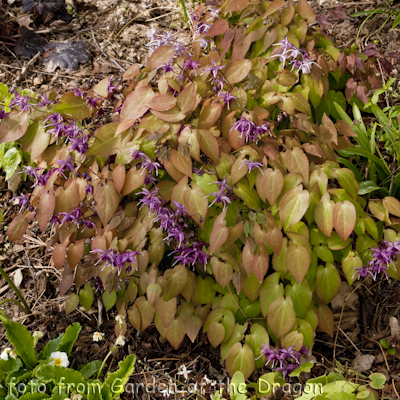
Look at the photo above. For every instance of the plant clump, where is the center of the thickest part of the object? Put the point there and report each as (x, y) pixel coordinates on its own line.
(207, 195)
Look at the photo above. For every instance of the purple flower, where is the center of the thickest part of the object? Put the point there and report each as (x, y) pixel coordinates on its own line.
(215, 12)
(287, 358)
(92, 102)
(79, 144)
(214, 69)
(150, 199)
(21, 101)
(191, 64)
(198, 172)
(167, 67)
(227, 98)
(89, 225)
(202, 27)
(150, 180)
(22, 201)
(204, 42)
(57, 124)
(79, 93)
(3, 114)
(223, 196)
(191, 254)
(146, 161)
(45, 101)
(244, 126)
(72, 216)
(252, 164)
(33, 173)
(382, 257)
(110, 87)
(117, 260)
(89, 190)
(65, 165)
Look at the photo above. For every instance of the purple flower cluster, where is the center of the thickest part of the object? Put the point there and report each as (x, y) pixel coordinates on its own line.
(66, 166)
(216, 80)
(117, 260)
(158, 39)
(252, 164)
(69, 132)
(147, 163)
(289, 50)
(23, 102)
(227, 97)
(382, 257)
(175, 223)
(252, 132)
(223, 196)
(73, 217)
(287, 358)
(23, 201)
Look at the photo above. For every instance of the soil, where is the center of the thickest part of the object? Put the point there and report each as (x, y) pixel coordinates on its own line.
(116, 36)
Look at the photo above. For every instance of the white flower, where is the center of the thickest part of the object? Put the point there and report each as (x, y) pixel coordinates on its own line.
(206, 380)
(76, 397)
(13, 354)
(120, 319)
(120, 340)
(37, 334)
(59, 359)
(4, 354)
(182, 370)
(98, 336)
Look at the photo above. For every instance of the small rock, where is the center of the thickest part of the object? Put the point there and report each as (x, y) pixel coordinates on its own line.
(363, 363)
(38, 80)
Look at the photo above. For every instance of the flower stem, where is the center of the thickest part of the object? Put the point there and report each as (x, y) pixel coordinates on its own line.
(105, 360)
(25, 306)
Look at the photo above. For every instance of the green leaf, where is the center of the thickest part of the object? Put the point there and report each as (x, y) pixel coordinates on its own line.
(59, 375)
(50, 347)
(255, 340)
(11, 161)
(90, 368)
(377, 380)
(71, 106)
(238, 388)
(34, 396)
(240, 359)
(396, 21)
(22, 340)
(327, 283)
(69, 338)
(117, 380)
(306, 367)
(367, 187)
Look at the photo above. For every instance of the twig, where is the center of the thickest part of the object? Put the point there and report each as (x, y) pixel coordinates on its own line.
(24, 70)
(105, 54)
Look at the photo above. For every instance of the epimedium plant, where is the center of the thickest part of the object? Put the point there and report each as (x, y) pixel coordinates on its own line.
(210, 198)
(47, 374)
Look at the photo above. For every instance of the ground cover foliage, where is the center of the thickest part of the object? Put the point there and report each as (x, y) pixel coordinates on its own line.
(48, 374)
(208, 195)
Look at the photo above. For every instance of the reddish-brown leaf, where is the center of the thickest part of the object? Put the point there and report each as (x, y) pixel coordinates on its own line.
(107, 202)
(134, 179)
(119, 177)
(218, 28)
(160, 56)
(17, 228)
(75, 253)
(161, 102)
(219, 233)
(47, 203)
(14, 126)
(208, 145)
(182, 163)
(344, 219)
(134, 105)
